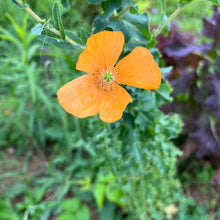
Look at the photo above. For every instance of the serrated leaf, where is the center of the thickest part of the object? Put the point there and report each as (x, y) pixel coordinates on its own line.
(129, 31)
(140, 21)
(57, 20)
(163, 93)
(56, 42)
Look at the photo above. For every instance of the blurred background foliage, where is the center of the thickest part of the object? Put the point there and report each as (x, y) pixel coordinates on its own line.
(56, 166)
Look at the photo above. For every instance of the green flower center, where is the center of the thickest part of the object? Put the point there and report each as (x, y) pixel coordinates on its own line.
(108, 77)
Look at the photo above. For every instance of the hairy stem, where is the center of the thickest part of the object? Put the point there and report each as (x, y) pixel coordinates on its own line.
(172, 16)
(42, 21)
(120, 14)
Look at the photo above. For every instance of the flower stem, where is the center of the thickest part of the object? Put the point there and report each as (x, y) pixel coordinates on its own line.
(172, 16)
(42, 21)
(120, 14)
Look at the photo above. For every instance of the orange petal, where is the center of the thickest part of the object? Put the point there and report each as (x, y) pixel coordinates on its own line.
(113, 104)
(80, 97)
(102, 49)
(139, 69)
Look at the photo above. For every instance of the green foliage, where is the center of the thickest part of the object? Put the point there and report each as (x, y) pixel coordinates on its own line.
(134, 26)
(188, 209)
(57, 20)
(6, 211)
(74, 210)
(125, 167)
(66, 3)
(181, 2)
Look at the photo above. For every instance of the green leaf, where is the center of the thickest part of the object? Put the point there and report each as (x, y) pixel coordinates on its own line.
(8, 36)
(30, 73)
(6, 210)
(152, 42)
(114, 195)
(10, 174)
(163, 93)
(44, 98)
(39, 194)
(162, 5)
(140, 21)
(16, 26)
(73, 37)
(99, 193)
(84, 36)
(129, 31)
(110, 6)
(170, 126)
(71, 205)
(37, 30)
(66, 216)
(155, 54)
(165, 70)
(15, 190)
(83, 213)
(57, 20)
(134, 26)
(56, 42)
(16, 3)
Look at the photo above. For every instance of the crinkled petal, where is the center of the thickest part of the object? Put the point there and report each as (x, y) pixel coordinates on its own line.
(80, 97)
(113, 104)
(102, 49)
(138, 69)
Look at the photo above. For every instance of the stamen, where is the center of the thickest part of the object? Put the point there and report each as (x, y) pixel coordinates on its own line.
(106, 78)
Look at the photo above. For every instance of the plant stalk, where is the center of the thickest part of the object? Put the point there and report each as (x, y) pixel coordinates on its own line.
(172, 16)
(42, 21)
(120, 14)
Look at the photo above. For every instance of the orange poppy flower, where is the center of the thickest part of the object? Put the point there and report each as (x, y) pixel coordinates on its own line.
(99, 91)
